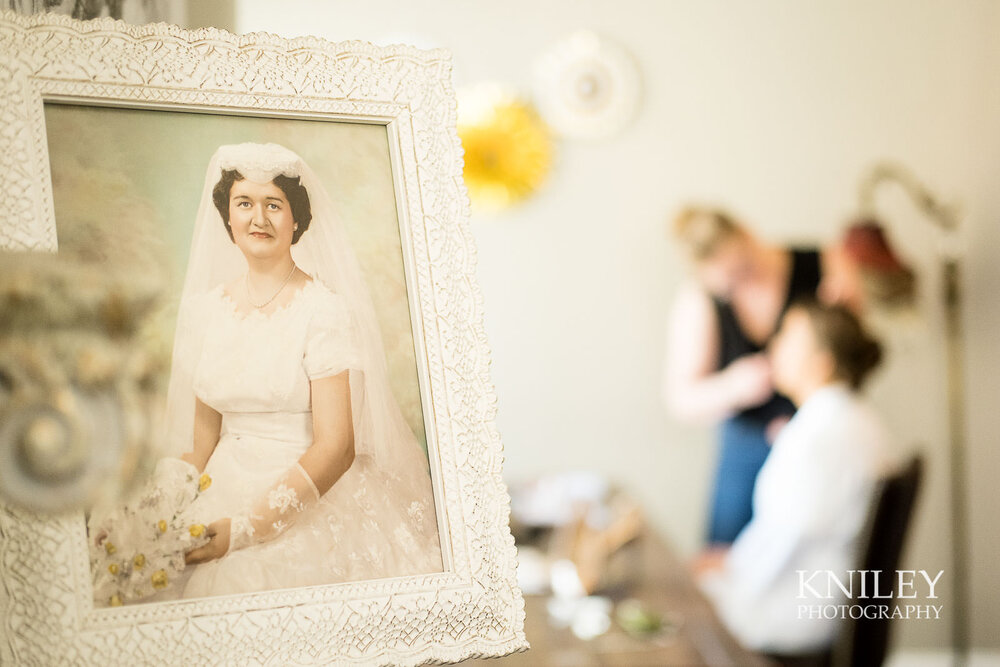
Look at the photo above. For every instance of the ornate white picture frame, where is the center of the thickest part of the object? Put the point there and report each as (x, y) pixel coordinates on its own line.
(472, 608)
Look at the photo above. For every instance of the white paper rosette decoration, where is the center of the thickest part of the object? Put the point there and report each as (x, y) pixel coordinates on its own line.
(587, 87)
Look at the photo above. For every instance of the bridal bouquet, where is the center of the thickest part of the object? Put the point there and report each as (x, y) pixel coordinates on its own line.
(137, 549)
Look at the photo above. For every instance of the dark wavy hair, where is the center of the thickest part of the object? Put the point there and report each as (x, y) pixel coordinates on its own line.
(294, 191)
(856, 353)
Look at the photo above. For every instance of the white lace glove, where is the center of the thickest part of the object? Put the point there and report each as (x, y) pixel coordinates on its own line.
(275, 512)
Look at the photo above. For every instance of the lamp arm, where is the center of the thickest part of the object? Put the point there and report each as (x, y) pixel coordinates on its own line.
(946, 218)
(940, 214)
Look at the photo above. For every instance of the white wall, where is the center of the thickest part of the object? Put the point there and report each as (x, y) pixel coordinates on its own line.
(774, 108)
(981, 146)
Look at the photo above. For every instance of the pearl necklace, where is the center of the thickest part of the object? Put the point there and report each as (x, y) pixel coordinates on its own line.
(274, 296)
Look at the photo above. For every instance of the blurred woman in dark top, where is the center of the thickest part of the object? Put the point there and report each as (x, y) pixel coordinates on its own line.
(721, 322)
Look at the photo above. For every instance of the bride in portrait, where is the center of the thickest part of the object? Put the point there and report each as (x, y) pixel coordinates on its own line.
(279, 392)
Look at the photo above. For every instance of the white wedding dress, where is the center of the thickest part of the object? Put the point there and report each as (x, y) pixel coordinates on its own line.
(255, 370)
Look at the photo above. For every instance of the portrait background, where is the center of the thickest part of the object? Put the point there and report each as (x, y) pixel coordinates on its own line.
(123, 163)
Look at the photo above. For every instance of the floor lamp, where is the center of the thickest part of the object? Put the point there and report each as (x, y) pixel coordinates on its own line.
(945, 218)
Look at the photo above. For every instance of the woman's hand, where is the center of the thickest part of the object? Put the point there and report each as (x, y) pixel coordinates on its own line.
(710, 560)
(749, 380)
(774, 428)
(218, 544)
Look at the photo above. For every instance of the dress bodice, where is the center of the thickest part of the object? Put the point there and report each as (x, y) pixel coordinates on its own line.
(263, 363)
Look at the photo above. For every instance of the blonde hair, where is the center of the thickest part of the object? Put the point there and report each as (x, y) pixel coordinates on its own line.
(702, 229)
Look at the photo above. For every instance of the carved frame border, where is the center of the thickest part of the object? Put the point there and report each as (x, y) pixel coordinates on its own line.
(474, 608)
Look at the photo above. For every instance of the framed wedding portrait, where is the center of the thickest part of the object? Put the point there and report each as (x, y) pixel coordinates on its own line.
(317, 476)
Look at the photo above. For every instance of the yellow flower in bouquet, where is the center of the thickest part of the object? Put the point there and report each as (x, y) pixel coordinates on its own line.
(197, 530)
(204, 482)
(162, 525)
(115, 600)
(139, 560)
(159, 579)
(109, 547)
(113, 568)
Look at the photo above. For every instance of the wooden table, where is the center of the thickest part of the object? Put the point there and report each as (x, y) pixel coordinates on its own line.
(662, 583)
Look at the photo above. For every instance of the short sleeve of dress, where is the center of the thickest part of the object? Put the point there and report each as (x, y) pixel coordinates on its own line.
(332, 344)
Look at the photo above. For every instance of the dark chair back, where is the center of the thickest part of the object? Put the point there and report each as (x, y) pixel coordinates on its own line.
(865, 641)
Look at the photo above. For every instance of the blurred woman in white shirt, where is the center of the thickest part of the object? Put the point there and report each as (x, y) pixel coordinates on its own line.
(813, 494)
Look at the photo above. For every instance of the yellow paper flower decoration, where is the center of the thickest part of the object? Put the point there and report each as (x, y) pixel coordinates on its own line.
(159, 579)
(196, 530)
(508, 149)
(204, 482)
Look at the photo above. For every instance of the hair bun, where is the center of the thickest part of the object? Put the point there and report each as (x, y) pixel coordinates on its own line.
(869, 356)
(856, 353)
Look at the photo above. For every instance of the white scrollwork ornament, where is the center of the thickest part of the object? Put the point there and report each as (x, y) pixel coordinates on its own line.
(587, 87)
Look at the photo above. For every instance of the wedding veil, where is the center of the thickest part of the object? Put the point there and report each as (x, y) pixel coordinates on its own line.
(324, 252)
